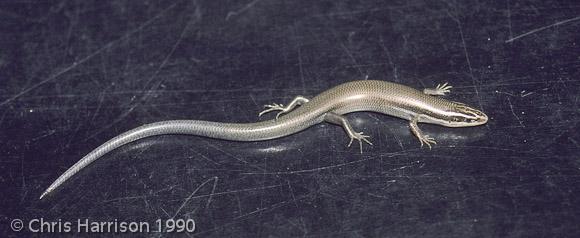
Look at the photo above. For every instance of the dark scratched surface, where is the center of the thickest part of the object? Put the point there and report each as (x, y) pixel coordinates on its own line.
(74, 73)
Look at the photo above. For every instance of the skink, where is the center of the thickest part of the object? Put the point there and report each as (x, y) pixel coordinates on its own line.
(329, 106)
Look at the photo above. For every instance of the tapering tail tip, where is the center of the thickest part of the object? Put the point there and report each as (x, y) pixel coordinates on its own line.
(44, 194)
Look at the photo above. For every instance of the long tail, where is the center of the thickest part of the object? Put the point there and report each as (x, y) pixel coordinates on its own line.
(228, 131)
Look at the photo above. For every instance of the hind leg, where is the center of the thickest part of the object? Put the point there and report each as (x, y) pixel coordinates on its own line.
(342, 121)
(297, 101)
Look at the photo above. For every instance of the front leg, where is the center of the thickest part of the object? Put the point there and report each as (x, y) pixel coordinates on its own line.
(440, 90)
(342, 121)
(298, 100)
(424, 139)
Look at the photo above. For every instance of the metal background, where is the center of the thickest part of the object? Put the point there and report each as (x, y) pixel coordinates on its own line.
(73, 74)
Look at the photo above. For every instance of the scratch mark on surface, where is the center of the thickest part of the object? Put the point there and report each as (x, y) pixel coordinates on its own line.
(369, 11)
(204, 157)
(262, 209)
(239, 202)
(509, 18)
(149, 92)
(386, 136)
(272, 207)
(72, 135)
(242, 10)
(321, 168)
(3, 116)
(254, 100)
(44, 134)
(164, 211)
(193, 193)
(300, 62)
(118, 92)
(226, 153)
(525, 94)
(24, 190)
(168, 188)
(86, 58)
(506, 93)
(301, 226)
(352, 58)
(474, 80)
(514, 113)
(301, 69)
(212, 192)
(292, 193)
(542, 28)
(390, 58)
(100, 104)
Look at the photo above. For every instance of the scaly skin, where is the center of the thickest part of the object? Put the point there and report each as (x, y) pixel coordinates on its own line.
(366, 95)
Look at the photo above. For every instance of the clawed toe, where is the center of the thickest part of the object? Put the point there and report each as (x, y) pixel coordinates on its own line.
(427, 140)
(360, 137)
(442, 89)
(271, 108)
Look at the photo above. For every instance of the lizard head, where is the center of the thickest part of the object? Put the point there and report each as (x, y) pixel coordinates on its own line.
(458, 115)
(461, 115)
